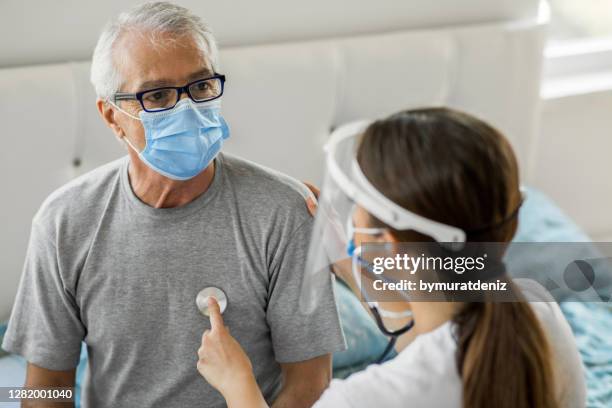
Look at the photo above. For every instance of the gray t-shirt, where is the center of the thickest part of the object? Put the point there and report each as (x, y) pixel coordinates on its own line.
(105, 268)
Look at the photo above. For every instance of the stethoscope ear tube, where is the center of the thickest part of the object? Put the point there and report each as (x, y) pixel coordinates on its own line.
(387, 350)
(392, 334)
(381, 325)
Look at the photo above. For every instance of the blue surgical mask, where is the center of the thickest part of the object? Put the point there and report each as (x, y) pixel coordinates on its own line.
(351, 230)
(183, 141)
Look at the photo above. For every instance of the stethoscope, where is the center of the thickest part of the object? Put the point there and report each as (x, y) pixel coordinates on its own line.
(373, 306)
(204, 294)
(392, 334)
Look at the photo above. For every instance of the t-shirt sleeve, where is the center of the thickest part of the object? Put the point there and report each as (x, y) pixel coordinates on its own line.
(44, 326)
(297, 336)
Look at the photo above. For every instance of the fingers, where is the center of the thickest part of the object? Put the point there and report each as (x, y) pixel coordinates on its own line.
(214, 311)
(313, 188)
(206, 332)
(311, 203)
(312, 206)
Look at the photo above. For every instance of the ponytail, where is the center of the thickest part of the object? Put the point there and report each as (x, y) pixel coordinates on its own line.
(504, 357)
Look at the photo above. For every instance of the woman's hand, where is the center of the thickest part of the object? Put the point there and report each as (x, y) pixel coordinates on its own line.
(225, 365)
(310, 202)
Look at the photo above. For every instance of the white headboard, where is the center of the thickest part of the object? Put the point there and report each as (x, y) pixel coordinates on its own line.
(282, 98)
(67, 30)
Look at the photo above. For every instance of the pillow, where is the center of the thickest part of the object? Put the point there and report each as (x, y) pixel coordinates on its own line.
(365, 343)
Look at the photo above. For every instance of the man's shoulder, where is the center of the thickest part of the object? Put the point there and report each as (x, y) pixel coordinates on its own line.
(265, 186)
(82, 193)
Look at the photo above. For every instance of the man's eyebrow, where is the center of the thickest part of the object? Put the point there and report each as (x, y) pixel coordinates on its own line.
(157, 83)
(203, 73)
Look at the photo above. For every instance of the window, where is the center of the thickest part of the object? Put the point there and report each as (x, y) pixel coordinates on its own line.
(580, 19)
(579, 52)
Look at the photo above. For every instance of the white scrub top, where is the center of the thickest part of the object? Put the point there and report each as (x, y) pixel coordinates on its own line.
(424, 374)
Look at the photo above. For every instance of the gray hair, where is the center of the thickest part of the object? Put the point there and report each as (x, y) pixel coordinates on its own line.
(150, 18)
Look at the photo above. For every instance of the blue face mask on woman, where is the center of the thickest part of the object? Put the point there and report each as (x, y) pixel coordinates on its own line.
(183, 141)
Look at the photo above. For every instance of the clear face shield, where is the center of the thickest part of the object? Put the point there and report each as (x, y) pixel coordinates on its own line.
(332, 248)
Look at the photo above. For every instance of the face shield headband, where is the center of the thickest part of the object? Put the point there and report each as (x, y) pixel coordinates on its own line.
(357, 187)
(345, 187)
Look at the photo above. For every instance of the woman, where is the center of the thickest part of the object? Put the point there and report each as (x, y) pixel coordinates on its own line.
(453, 171)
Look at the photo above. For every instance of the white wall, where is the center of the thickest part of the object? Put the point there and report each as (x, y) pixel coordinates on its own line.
(572, 159)
(574, 155)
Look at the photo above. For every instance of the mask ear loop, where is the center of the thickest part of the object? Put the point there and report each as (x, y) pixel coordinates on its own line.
(125, 139)
(355, 254)
(373, 306)
(122, 111)
(392, 334)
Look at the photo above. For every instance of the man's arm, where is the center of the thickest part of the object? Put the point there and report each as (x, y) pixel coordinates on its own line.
(304, 382)
(38, 377)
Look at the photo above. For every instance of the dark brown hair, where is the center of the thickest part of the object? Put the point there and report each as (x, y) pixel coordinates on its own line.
(453, 168)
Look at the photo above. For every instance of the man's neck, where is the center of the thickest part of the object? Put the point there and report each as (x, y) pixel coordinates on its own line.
(158, 191)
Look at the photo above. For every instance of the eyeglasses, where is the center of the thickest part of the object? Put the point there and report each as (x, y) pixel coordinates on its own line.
(166, 98)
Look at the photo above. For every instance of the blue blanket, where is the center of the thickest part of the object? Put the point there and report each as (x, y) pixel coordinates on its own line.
(593, 331)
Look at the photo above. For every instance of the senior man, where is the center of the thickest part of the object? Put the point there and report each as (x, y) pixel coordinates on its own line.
(117, 256)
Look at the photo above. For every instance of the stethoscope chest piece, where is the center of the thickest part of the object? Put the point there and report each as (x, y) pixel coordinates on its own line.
(204, 294)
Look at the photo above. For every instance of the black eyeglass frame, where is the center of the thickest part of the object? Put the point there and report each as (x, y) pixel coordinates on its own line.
(124, 96)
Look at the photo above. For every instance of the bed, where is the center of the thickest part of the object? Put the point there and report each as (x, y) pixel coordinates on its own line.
(481, 56)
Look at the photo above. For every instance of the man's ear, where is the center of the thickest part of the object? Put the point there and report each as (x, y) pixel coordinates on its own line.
(108, 116)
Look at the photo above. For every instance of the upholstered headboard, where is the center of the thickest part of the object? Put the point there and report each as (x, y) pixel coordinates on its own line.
(294, 73)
